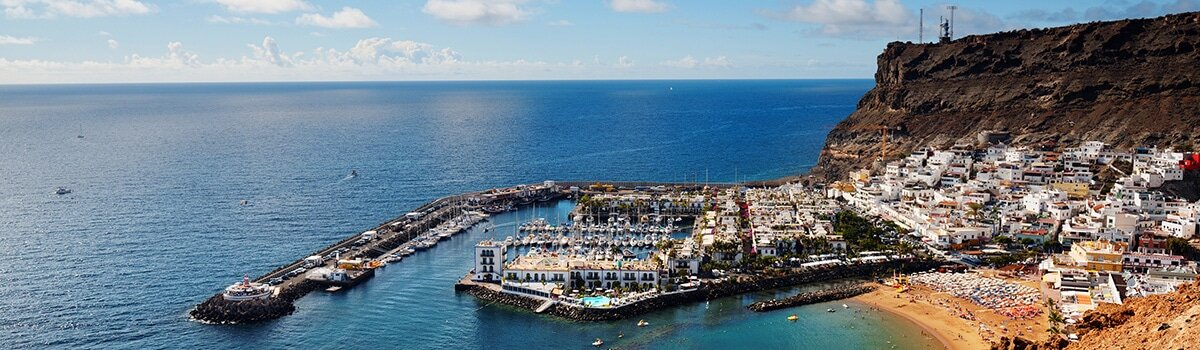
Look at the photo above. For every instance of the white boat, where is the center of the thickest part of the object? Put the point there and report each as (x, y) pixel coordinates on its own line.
(642, 323)
(61, 191)
(598, 342)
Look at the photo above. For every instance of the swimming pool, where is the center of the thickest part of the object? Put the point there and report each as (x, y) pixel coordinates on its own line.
(599, 301)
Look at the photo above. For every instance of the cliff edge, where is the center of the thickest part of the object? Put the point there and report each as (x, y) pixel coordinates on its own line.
(1129, 82)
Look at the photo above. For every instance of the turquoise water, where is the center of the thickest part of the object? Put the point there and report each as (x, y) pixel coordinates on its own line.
(154, 225)
(596, 301)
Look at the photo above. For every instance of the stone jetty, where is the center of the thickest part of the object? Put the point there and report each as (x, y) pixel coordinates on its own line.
(819, 296)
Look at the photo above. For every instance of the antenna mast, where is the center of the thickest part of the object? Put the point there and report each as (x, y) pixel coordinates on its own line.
(921, 28)
(952, 8)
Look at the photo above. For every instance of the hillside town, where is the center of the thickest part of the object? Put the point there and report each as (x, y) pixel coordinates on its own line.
(1043, 235)
(1091, 221)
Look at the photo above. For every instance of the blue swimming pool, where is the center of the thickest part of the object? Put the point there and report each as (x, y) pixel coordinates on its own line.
(597, 301)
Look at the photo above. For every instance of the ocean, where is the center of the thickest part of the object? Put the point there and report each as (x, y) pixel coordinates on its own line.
(153, 224)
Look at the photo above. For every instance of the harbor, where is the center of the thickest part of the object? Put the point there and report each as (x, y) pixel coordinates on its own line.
(354, 259)
(620, 251)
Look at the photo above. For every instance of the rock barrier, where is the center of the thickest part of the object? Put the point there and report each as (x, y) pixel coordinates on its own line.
(220, 311)
(813, 297)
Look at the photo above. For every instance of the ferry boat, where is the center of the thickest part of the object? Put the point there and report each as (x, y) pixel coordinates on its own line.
(246, 290)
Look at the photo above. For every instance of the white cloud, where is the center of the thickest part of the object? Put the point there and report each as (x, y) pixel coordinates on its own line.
(489, 12)
(113, 44)
(624, 62)
(104, 33)
(561, 23)
(237, 20)
(264, 6)
(31, 9)
(689, 62)
(12, 40)
(177, 55)
(685, 62)
(269, 52)
(853, 17)
(366, 59)
(718, 62)
(348, 17)
(643, 6)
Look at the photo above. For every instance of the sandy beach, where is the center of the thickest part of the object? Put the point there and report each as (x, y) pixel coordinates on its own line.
(934, 314)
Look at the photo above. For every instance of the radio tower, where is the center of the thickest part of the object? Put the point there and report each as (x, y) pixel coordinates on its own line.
(921, 28)
(952, 8)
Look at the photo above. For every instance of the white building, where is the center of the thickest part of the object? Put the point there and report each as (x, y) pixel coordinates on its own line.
(489, 261)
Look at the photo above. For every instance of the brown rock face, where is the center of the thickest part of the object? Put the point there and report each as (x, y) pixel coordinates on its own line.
(1128, 82)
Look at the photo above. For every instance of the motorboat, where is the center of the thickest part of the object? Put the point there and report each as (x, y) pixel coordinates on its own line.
(642, 323)
(793, 317)
(61, 191)
(598, 342)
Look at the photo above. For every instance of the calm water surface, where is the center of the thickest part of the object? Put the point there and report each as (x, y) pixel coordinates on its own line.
(154, 225)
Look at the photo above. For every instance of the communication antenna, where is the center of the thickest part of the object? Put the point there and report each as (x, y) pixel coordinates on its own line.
(952, 8)
(921, 28)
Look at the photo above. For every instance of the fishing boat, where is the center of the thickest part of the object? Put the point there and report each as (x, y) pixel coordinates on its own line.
(598, 342)
(793, 317)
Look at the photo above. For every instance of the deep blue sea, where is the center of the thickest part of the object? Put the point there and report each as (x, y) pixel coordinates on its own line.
(154, 224)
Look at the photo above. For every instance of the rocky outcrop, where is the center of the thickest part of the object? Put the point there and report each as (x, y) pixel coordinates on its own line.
(1128, 82)
(1167, 321)
(220, 311)
(813, 297)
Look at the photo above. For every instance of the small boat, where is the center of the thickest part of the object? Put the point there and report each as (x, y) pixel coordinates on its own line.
(642, 323)
(353, 173)
(244, 202)
(61, 191)
(333, 289)
(845, 307)
(598, 342)
(793, 317)
(829, 310)
(620, 335)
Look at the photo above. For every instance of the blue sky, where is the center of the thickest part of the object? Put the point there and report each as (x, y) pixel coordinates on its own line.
(55, 41)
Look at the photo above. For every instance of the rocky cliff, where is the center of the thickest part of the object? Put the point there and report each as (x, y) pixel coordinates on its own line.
(1128, 82)
(1167, 322)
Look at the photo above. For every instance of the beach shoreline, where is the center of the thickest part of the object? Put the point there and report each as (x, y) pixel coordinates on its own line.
(936, 324)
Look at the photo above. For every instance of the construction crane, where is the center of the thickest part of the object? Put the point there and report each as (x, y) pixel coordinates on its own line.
(883, 140)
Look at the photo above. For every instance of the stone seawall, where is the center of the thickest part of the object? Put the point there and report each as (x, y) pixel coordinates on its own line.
(709, 291)
(813, 297)
(220, 311)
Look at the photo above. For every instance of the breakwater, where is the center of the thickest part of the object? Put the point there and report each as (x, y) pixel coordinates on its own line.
(707, 291)
(813, 297)
(220, 311)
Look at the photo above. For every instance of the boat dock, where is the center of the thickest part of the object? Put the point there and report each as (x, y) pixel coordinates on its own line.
(410, 231)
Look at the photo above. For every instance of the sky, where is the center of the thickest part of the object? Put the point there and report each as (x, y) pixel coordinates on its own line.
(113, 41)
